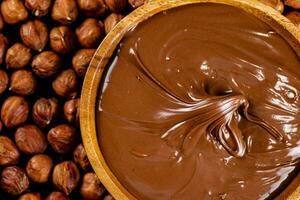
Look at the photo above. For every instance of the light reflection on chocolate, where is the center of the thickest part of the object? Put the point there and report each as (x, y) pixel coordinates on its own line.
(201, 102)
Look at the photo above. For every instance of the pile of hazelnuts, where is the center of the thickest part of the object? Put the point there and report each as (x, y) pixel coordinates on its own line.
(45, 49)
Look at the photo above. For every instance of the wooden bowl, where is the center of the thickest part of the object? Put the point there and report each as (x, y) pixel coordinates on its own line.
(93, 77)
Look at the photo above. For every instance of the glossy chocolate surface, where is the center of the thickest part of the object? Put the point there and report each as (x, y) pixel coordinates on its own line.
(201, 102)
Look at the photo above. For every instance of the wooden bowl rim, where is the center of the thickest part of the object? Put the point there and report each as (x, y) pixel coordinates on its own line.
(94, 73)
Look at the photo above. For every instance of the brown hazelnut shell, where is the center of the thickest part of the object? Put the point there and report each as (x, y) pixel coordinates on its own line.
(111, 21)
(116, 6)
(31, 196)
(80, 158)
(62, 39)
(38, 8)
(3, 47)
(91, 187)
(18, 56)
(81, 61)
(4, 80)
(13, 11)
(9, 153)
(64, 11)
(57, 196)
(66, 84)
(22, 82)
(46, 64)
(93, 8)
(39, 168)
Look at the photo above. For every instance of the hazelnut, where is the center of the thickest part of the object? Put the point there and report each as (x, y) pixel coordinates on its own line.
(91, 187)
(34, 34)
(276, 4)
(3, 47)
(81, 61)
(1, 126)
(136, 3)
(81, 158)
(9, 154)
(14, 111)
(90, 33)
(63, 138)
(30, 139)
(108, 197)
(57, 196)
(14, 180)
(66, 176)
(3, 81)
(22, 82)
(18, 56)
(92, 8)
(294, 16)
(46, 64)
(64, 11)
(1, 23)
(111, 21)
(31, 196)
(292, 3)
(44, 111)
(116, 6)
(71, 111)
(38, 8)
(66, 84)
(39, 168)
(62, 39)
(13, 11)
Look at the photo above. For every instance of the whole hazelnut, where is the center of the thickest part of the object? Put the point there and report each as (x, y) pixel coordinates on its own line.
(38, 8)
(46, 64)
(34, 34)
(276, 4)
(9, 154)
(108, 197)
(66, 176)
(31, 196)
(18, 56)
(13, 11)
(1, 23)
(111, 21)
(14, 111)
(294, 16)
(39, 168)
(14, 180)
(90, 33)
(71, 111)
(91, 187)
(23, 83)
(3, 47)
(66, 84)
(57, 196)
(62, 39)
(136, 3)
(116, 6)
(63, 138)
(3, 81)
(292, 3)
(30, 139)
(92, 8)
(81, 60)
(44, 111)
(64, 11)
(81, 158)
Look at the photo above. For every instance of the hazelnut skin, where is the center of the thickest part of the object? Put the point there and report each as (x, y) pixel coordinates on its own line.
(116, 6)
(91, 187)
(66, 84)
(57, 196)
(62, 39)
(90, 33)
(276, 4)
(294, 16)
(71, 111)
(9, 153)
(1, 23)
(34, 34)
(92, 8)
(80, 158)
(3, 47)
(39, 168)
(46, 64)
(13, 11)
(64, 11)
(18, 56)
(23, 83)
(81, 61)
(38, 8)
(14, 111)
(44, 111)
(30, 139)
(63, 138)
(31, 196)
(136, 3)
(66, 176)
(292, 3)
(3, 81)
(111, 21)
(108, 197)
(14, 180)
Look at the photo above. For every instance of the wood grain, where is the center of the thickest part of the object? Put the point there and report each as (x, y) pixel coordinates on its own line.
(93, 77)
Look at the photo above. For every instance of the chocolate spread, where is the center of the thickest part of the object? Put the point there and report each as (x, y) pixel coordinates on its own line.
(201, 102)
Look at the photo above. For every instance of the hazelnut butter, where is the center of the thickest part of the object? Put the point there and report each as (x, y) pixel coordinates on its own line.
(201, 102)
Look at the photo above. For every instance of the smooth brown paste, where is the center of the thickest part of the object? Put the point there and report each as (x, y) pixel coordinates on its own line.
(201, 102)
